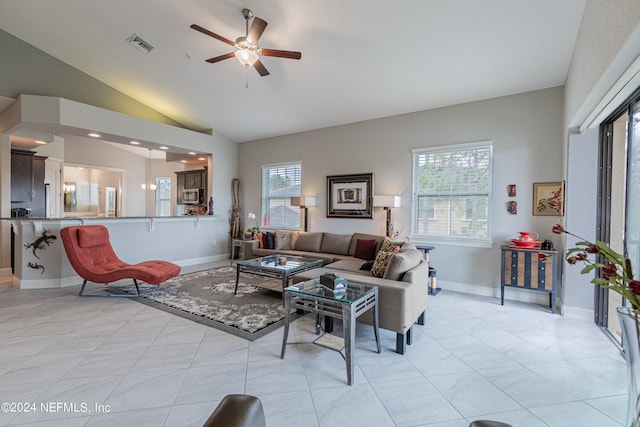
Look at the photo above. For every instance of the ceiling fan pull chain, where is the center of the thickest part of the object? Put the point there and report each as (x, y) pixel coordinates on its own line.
(246, 70)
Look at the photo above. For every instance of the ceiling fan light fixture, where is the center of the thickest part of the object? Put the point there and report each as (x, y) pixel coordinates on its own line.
(247, 57)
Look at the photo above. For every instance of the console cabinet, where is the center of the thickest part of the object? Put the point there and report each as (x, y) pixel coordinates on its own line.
(532, 269)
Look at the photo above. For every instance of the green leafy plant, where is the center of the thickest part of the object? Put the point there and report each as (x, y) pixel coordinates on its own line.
(615, 270)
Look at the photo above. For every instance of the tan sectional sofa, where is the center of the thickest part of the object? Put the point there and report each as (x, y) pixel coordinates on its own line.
(402, 287)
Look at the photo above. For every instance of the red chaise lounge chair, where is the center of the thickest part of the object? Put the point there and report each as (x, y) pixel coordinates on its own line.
(92, 257)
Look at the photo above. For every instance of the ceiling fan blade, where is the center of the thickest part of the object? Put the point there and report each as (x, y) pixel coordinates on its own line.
(260, 68)
(221, 57)
(256, 30)
(214, 35)
(282, 53)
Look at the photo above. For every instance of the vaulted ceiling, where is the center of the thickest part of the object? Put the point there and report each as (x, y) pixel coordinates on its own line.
(361, 59)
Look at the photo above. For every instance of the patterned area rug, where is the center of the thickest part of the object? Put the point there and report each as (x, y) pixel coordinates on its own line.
(207, 297)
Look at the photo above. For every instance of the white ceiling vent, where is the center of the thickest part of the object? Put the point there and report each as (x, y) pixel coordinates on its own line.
(140, 44)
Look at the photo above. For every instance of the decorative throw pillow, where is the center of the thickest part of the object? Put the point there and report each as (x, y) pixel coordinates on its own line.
(283, 240)
(365, 249)
(260, 237)
(389, 246)
(270, 240)
(367, 265)
(381, 262)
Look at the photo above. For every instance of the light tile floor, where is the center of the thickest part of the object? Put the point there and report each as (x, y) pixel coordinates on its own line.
(111, 361)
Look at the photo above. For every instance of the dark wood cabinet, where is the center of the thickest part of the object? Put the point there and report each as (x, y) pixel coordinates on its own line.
(179, 187)
(193, 179)
(38, 202)
(189, 180)
(27, 182)
(21, 176)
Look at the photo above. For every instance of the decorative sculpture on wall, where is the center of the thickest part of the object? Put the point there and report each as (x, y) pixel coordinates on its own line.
(40, 243)
(36, 266)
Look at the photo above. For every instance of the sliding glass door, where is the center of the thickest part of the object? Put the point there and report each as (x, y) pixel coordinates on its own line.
(619, 196)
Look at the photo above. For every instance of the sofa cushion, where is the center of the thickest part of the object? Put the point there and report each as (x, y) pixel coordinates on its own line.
(363, 236)
(335, 243)
(381, 262)
(366, 249)
(309, 242)
(403, 261)
(283, 240)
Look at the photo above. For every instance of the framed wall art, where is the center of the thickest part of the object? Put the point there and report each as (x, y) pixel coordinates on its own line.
(350, 196)
(548, 198)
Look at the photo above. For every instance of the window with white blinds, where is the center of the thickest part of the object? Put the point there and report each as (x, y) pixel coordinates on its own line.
(452, 191)
(279, 184)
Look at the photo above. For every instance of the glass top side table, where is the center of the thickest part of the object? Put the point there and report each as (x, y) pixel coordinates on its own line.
(348, 305)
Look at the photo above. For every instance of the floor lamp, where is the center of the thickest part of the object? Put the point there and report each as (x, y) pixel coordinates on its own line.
(387, 202)
(304, 202)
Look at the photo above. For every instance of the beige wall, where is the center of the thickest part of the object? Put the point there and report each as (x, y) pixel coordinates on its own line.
(526, 131)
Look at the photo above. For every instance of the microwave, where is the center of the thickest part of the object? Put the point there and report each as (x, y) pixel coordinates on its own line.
(191, 196)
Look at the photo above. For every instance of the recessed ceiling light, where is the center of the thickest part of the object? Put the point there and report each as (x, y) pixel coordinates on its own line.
(192, 153)
(134, 143)
(201, 158)
(40, 142)
(94, 135)
(183, 161)
(80, 168)
(164, 148)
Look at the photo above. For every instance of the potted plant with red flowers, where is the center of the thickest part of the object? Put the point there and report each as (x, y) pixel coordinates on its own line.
(615, 274)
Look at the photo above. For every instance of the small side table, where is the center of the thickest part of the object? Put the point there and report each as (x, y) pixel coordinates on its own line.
(236, 245)
(433, 273)
(313, 297)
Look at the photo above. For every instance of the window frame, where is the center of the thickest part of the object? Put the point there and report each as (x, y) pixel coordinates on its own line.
(265, 219)
(449, 239)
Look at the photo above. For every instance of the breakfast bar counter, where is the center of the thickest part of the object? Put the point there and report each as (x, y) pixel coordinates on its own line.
(38, 259)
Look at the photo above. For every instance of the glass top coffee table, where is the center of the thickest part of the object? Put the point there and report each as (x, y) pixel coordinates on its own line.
(278, 266)
(348, 305)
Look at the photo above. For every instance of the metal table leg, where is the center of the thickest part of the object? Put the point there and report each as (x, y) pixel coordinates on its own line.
(287, 319)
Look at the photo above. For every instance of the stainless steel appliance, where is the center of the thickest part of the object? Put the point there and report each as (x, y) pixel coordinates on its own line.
(191, 196)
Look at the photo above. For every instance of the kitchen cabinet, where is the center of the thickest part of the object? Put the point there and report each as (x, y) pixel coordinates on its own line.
(21, 176)
(193, 179)
(179, 187)
(532, 269)
(189, 180)
(27, 182)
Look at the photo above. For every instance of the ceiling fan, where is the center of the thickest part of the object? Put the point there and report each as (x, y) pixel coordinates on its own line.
(247, 50)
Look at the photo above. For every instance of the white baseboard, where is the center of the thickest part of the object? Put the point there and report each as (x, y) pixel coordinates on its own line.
(510, 294)
(578, 312)
(62, 282)
(202, 260)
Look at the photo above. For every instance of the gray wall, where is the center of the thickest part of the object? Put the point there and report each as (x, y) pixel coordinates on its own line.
(526, 131)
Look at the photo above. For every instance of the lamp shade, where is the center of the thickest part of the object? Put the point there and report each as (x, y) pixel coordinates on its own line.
(303, 201)
(387, 201)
